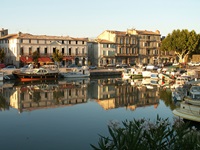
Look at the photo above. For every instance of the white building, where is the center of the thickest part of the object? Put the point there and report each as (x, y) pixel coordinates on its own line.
(20, 47)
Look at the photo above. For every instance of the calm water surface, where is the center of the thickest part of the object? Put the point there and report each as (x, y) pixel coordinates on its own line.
(69, 114)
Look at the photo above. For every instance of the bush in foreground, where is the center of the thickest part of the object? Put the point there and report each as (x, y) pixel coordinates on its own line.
(142, 134)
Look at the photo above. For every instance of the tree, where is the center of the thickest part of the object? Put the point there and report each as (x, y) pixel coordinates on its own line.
(57, 56)
(35, 56)
(182, 42)
(2, 55)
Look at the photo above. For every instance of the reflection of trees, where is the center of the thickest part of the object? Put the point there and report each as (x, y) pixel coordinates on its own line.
(166, 96)
(36, 97)
(57, 94)
(3, 103)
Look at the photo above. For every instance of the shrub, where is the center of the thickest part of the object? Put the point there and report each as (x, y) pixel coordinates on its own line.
(143, 134)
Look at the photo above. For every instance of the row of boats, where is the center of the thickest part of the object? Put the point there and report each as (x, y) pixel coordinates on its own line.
(185, 89)
(49, 72)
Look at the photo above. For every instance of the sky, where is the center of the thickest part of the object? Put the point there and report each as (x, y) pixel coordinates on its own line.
(89, 18)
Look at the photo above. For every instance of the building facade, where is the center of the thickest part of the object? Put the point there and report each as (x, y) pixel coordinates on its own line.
(101, 52)
(135, 46)
(20, 47)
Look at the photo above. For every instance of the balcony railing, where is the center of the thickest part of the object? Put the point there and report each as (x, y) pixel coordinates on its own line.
(50, 54)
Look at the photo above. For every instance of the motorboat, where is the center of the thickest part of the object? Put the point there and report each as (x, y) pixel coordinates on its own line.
(132, 73)
(77, 72)
(46, 72)
(190, 106)
(193, 95)
(188, 111)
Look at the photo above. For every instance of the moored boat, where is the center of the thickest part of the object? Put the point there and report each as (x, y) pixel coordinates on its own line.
(48, 72)
(78, 72)
(188, 111)
(193, 96)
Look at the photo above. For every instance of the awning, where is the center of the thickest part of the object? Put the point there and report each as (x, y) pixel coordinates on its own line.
(68, 58)
(44, 60)
(26, 59)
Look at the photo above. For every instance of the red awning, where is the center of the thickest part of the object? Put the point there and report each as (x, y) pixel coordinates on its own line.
(44, 59)
(26, 59)
(68, 58)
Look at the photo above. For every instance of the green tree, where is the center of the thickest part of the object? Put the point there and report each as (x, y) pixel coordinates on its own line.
(2, 55)
(35, 57)
(57, 56)
(182, 42)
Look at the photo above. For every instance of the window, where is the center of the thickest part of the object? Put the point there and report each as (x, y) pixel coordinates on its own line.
(83, 50)
(69, 42)
(21, 51)
(76, 51)
(54, 50)
(45, 50)
(30, 50)
(63, 42)
(63, 50)
(83, 42)
(38, 50)
(45, 95)
(37, 41)
(70, 93)
(21, 40)
(70, 51)
(29, 40)
(76, 42)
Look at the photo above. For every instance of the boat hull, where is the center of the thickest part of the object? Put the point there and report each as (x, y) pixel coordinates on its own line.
(188, 112)
(33, 77)
(192, 101)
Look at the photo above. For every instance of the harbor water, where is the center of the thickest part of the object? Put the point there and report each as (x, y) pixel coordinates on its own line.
(71, 113)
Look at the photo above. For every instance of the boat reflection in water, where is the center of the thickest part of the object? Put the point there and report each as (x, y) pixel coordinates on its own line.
(108, 93)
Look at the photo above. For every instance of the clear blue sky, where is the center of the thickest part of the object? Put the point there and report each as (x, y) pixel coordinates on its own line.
(89, 18)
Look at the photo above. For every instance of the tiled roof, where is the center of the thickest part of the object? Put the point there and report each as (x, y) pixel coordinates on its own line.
(42, 37)
(140, 32)
(147, 32)
(117, 32)
(105, 41)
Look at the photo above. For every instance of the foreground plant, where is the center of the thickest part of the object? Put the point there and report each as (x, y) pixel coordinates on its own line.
(143, 134)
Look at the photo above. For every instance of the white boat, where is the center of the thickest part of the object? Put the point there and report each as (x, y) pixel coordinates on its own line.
(132, 73)
(78, 72)
(188, 111)
(146, 74)
(190, 107)
(46, 72)
(193, 96)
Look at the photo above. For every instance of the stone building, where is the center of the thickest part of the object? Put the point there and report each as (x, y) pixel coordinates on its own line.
(20, 47)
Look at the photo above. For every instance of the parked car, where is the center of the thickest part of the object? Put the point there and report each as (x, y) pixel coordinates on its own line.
(121, 66)
(92, 67)
(191, 64)
(175, 64)
(110, 65)
(2, 66)
(72, 66)
(9, 67)
(151, 67)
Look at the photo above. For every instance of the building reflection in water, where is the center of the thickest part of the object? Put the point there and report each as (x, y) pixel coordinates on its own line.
(108, 93)
(115, 93)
